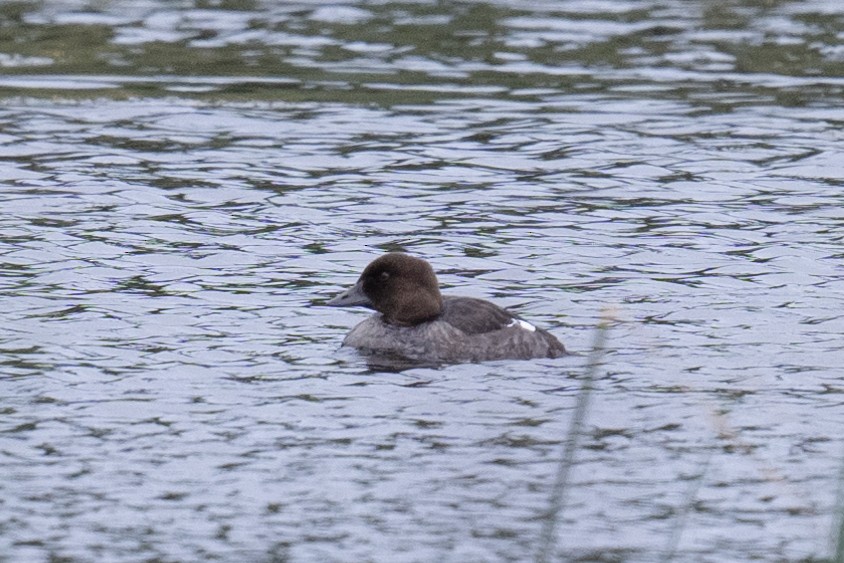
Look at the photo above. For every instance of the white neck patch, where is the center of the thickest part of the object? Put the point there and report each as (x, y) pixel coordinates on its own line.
(524, 325)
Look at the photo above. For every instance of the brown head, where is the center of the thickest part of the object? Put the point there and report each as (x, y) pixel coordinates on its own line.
(401, 287)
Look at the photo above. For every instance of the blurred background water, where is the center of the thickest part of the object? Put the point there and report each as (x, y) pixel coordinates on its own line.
(183, 184)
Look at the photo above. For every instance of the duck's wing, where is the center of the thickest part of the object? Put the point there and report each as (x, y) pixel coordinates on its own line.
(480, 320)
(476, 316)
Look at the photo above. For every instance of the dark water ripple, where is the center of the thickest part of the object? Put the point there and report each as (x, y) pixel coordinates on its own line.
(172, 388)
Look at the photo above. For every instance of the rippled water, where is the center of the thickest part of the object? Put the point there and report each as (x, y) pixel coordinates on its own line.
(183, 184)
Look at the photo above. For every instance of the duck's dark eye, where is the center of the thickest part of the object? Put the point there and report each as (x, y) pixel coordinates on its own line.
(384, 276)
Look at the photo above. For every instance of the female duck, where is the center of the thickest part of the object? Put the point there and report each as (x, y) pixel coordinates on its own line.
(416, 322)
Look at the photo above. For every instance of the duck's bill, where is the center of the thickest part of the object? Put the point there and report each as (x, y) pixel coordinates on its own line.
(350, 298)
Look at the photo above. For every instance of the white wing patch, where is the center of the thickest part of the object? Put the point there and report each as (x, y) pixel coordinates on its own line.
(524, 325)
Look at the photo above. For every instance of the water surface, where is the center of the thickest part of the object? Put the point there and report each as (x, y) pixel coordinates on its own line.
(183, 184)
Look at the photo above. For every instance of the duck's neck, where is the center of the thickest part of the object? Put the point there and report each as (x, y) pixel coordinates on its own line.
(422, 306)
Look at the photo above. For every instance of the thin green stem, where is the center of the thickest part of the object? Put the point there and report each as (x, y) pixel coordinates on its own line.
(547, 542)
(838, 538)
(686, 507)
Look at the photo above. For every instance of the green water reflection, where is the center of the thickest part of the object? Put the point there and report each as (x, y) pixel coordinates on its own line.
(416, 52)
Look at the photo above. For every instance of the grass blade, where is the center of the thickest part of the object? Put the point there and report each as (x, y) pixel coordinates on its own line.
(547, 542)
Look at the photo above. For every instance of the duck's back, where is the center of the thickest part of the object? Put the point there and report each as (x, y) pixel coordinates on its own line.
(467, 330)
(496, 333)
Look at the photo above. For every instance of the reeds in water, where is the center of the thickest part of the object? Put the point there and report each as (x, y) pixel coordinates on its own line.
(547, 542)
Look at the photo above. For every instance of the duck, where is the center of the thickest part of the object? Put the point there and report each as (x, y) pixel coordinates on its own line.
(414, 321)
